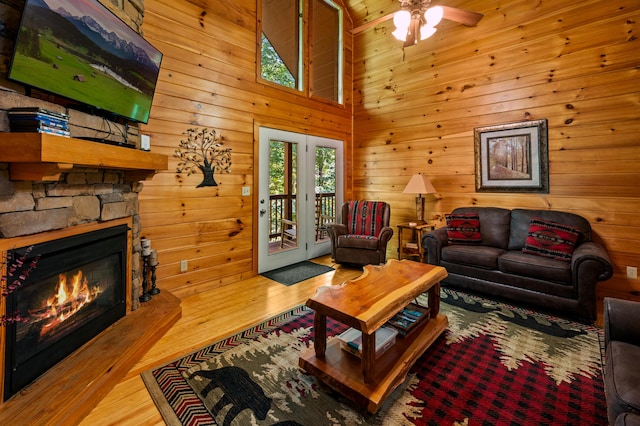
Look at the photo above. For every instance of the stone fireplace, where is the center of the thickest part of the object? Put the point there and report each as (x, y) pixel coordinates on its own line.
(51, 191)
(54, 188)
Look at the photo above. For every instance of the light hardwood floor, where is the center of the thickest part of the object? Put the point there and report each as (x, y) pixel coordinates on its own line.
(206, 317)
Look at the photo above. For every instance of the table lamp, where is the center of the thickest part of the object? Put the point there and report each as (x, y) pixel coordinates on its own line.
(419, 184)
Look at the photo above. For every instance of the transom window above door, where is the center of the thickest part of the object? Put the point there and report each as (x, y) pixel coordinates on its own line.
(305, 55)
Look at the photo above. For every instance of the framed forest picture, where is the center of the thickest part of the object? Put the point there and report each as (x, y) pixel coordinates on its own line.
(512, 157)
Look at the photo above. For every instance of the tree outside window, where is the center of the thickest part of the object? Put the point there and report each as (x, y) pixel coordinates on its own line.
(285, 35)
(273, 69)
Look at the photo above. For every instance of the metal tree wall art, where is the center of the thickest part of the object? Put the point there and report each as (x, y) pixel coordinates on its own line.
(202, 150)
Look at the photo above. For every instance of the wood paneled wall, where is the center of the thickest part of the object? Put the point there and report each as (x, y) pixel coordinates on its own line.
(208, 79)
(576, 64)
(406, 111)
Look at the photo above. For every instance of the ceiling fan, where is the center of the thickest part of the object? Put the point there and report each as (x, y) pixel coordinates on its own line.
(416, 20)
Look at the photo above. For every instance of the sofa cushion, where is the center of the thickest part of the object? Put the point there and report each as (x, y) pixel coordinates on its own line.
(622, 378)
(358, 241)
(494, 224)
(544, 268)
(464, 228)
(481, 256)
(550, 239)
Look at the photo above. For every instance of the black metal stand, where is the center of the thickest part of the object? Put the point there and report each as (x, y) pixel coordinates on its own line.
(154, 290)
(145, 297)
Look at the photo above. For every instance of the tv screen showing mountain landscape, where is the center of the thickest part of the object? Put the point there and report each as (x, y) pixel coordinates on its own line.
(80, 50)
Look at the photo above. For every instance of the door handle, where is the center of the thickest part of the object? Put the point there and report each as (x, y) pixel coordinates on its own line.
(262, 212)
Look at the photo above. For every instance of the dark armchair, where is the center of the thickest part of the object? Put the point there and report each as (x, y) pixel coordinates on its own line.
(363, 235)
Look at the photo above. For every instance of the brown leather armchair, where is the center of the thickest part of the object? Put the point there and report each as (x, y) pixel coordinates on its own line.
(363, 235)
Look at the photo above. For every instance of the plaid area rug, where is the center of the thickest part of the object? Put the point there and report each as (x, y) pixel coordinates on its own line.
(495, 365)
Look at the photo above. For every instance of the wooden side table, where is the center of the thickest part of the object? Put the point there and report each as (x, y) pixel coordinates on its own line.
(410, 245)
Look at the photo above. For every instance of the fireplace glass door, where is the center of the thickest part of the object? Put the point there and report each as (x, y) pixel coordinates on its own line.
(75, 290)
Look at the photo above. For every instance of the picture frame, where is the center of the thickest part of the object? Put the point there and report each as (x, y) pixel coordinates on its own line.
(512, 157)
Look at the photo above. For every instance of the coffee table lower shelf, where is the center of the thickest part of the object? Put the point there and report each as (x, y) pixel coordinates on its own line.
(343, 371)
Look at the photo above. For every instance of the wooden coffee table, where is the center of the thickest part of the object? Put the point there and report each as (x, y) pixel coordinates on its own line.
(366, 303)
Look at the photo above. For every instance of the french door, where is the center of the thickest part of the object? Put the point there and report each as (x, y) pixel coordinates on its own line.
(300, 191)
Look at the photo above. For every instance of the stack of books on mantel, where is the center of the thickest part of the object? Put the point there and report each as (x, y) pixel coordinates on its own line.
(40, 120)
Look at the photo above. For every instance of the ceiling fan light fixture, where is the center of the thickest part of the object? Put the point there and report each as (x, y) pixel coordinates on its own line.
(433, 15)
(402, 19)
(427, 31)
(400, 34)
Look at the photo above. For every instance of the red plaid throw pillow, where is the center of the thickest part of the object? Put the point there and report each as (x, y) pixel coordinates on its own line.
(550, 239)
(463, 228)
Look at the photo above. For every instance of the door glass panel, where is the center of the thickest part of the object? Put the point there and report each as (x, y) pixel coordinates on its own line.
(325, 190)
(283, 195)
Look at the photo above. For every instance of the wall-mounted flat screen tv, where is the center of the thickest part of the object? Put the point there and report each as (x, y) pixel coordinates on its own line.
(79, 50)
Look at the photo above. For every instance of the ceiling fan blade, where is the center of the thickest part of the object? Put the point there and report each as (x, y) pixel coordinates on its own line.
(465, 17)
(372, 23)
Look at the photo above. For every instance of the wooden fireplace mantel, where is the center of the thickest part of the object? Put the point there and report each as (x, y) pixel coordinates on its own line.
(43, 157)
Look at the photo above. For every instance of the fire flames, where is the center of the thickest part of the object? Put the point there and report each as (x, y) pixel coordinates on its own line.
(71, 296)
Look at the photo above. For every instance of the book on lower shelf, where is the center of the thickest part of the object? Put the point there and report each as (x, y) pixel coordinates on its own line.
(408, 318)
(351, 340)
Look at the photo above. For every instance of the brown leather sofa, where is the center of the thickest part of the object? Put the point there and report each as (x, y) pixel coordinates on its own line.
(497, 265)
(622, 352)
(362, 236)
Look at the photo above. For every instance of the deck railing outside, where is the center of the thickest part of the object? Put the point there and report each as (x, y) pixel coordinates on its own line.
(284, 206)
(278, 209)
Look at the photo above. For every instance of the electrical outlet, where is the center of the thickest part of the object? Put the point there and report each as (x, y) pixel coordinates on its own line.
(184, 265)
(632, 272)
(246, 191)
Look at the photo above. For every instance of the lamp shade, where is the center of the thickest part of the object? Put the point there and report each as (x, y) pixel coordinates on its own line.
(401, 19)
(426, 31)
(400, 34)
(419, 184)
(433, 15)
